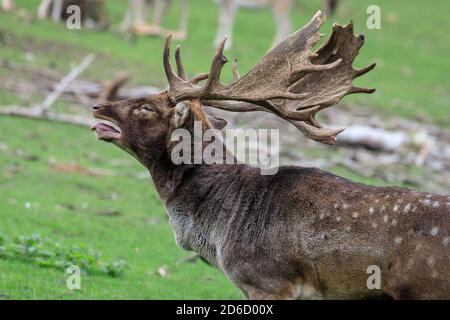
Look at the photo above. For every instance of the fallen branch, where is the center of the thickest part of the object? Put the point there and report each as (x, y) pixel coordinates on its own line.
(34, 70)
(64, 83)
(46, 81)
(424, 152)
(35, 113)
(372, 138)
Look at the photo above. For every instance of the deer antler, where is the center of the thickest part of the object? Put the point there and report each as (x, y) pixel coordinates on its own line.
(195, 104)
(290, 81)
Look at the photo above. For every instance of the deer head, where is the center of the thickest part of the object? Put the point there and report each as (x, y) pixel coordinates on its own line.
(142, 126)
(290, 81)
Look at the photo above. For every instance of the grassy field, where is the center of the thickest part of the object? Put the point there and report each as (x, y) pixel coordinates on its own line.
(105, 203)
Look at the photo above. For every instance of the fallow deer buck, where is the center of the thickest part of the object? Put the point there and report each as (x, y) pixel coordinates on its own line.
(93, 12)
(228, 9)
(280, 11)
(135, 19)
(7, 5)
(138, 10)
(303, 232)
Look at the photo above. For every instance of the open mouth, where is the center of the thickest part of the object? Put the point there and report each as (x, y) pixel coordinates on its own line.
(107, 132)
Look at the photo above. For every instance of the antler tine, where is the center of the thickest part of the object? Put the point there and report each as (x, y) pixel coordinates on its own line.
(354, 90)
(180, 67)
(216, 67)
(322, 135)
(236, 75)
(171, 76)
(321, 67)
(200, 77)
(363, 71)
(304, 121)
(195, 104)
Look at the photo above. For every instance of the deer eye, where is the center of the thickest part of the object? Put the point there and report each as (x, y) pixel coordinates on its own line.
(147, 108)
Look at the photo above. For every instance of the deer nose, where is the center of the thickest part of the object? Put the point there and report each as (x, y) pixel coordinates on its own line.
(97, 107)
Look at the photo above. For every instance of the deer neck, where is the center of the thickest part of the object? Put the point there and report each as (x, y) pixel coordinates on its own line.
(188, 191)
(169, 178)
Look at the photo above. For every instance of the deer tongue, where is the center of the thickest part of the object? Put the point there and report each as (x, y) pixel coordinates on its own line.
(103, 127)
(105, 132)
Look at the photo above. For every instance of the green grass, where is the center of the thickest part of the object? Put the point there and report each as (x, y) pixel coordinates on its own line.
(72, 207)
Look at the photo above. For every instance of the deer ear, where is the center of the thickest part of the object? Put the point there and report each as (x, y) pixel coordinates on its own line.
(217, 123)
(180, 115)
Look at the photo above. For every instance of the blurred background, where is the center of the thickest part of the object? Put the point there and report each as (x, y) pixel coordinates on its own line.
(66, 198)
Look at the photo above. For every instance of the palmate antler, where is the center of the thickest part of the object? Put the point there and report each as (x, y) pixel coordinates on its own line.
(290, 81)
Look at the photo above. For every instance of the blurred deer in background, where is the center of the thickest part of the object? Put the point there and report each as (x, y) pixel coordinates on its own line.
(136, 17)
(228, 9)
(93, 12)
(331, 6)
(137, 14)
(7, 5)
(280, 10)
(302, 232)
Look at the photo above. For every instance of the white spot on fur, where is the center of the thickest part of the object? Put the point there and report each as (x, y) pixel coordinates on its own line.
(434, 231)
(426, 202)
(395, 208)
(394, 222)
(345, 206)
(410, 264)
(371, 210)
(321, 216)
(446, 241)
(374, 225)
(430, 261)
(407, 208)
(385, 218)
(428, 196)
(304, 291)
(383, 207)
(435, 204)
(398, 240)
(336, 205)
(355, 214)
(338, 219)
(347, 228)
